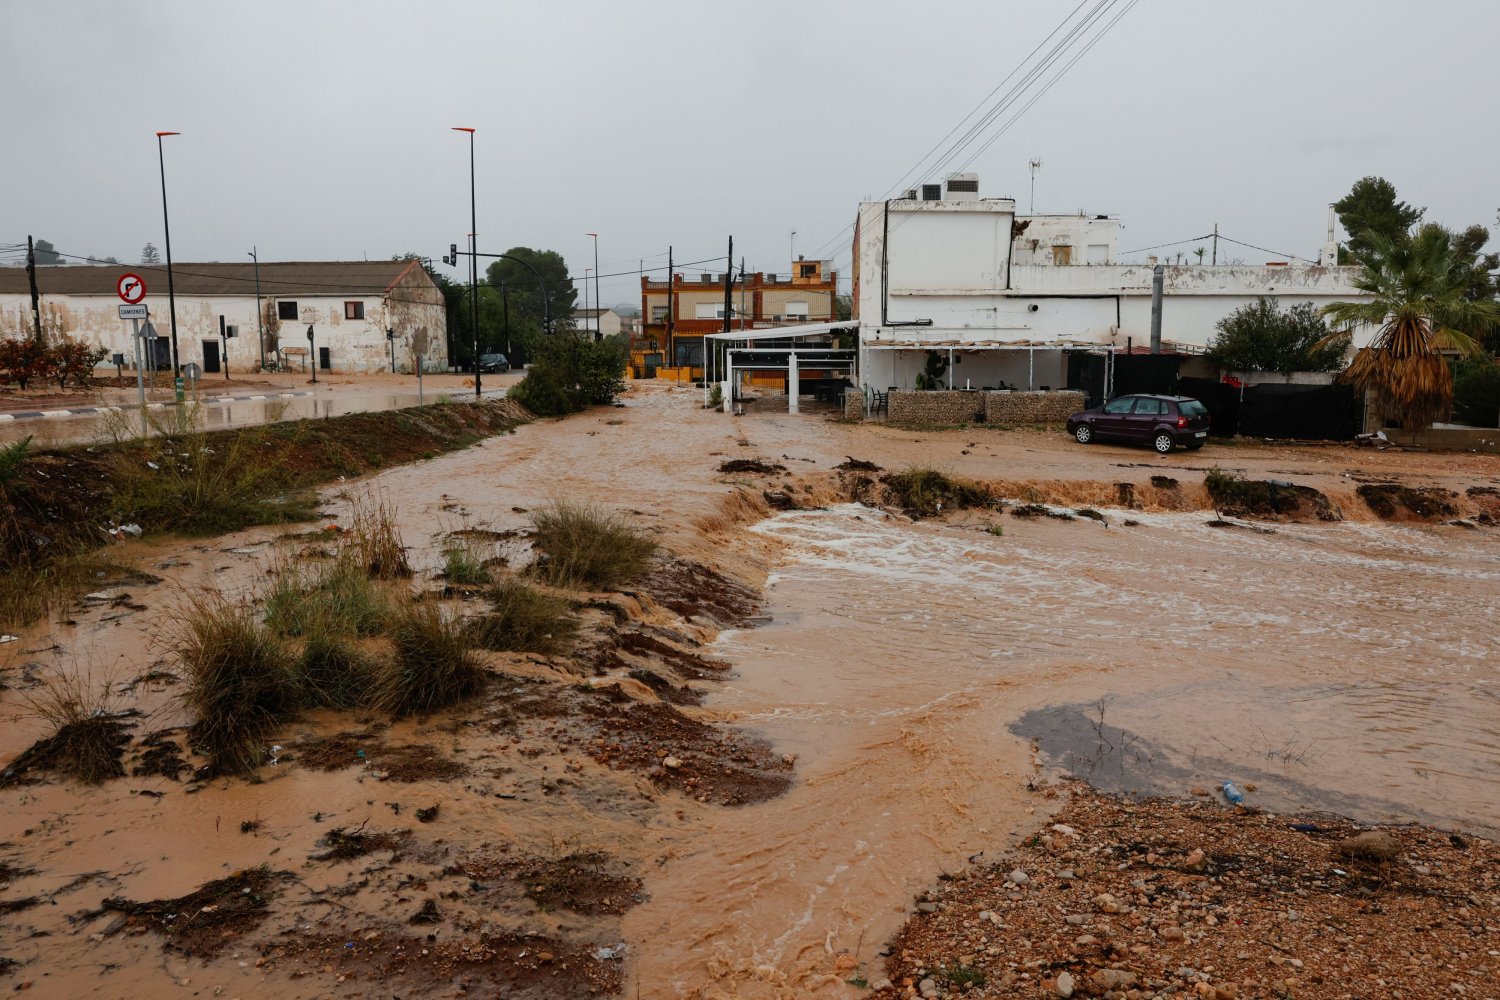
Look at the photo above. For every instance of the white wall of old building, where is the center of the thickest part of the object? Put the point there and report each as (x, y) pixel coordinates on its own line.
(354, 345)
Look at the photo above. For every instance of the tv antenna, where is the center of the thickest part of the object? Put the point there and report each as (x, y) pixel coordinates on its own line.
(1035, 166)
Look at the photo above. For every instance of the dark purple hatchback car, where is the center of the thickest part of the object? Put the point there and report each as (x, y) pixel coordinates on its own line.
(1163, 422)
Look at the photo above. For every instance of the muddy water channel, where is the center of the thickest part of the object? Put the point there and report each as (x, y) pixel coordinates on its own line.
(1349, 668)
(928, 678)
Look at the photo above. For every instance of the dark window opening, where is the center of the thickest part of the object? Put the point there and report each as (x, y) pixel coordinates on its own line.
(689, 354)
(354, 310)
(970, 185)
(932, 192)
(286, 310)
(807, 270)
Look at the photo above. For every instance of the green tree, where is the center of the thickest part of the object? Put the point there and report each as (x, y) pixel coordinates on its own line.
(525, 294)
(150, 255)
(1371, 208)
(46, 254)
(1416, 297)
(1262, 337)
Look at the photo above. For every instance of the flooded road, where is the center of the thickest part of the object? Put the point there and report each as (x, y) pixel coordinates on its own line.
(1348, 668)
(908, 667)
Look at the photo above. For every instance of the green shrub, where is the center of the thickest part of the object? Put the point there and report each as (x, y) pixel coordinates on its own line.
(432, 666)
(241, 681)
(375, 541)
(584, 547)
(525, 620)
(1476, 392)
(572, 372)
(464, 562)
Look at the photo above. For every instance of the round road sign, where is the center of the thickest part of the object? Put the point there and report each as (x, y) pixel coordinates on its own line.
(131, 288)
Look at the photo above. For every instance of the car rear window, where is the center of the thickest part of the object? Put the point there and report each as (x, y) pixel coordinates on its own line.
(1192, 408)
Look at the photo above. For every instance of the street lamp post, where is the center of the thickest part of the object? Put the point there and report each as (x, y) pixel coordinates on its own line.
(473, 256)
(260, 319)
(166, 226)
(598, 305)
(586, 272)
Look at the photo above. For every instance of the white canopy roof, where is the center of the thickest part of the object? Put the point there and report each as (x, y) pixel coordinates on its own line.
(784, 332)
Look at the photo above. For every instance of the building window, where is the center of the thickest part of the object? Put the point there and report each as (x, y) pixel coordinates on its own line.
(970, 186)
(807, 270)
(932, 192)
(354, 310)
(796, 310)
(690, 354)
(658, 314)
(708, 310)
(1062, 255)
(286, 310)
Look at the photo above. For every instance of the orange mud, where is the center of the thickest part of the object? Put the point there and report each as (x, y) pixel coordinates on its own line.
(910, 682)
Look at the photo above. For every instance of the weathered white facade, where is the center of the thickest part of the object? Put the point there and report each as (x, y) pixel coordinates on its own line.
(605, 322)
(965, 275)
(349, 304)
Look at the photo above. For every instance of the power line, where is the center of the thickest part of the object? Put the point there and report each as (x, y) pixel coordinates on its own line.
(1174, 243)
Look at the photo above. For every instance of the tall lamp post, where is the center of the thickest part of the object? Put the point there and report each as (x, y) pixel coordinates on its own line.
(598, 305)
(586, 272)
(260, 319)
(171, 291)
(473, 256)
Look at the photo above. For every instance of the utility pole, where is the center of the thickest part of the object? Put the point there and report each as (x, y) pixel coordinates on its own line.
(505, 313)
(260, 318)
(742, 287)
(1158, 278)
(729, 287)
(671, 284)
(1216, 243)
(1035, 166)
(36, 306)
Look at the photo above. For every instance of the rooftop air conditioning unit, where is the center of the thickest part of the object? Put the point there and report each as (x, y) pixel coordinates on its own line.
(962, 187)
(909, 195)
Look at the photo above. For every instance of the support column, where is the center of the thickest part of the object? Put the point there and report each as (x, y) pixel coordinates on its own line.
(1031, 369)
(728, 390)
(792, 384)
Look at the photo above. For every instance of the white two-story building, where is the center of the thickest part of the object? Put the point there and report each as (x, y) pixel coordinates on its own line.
(1004, 298)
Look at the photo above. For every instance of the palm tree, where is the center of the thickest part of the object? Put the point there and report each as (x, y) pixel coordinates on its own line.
(1416, 297)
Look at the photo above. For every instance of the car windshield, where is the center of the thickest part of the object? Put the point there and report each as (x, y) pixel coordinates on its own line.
(1192, 408)
(492, 357)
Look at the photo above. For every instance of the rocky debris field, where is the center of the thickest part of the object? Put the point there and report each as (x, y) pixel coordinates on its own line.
(1130, 899)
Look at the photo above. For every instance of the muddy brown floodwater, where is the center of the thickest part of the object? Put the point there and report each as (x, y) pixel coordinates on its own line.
(927, 676)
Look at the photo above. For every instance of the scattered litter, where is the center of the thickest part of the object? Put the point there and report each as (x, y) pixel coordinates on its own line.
(1233, 794)
(153, 465)
(607, 952)
(8, 638)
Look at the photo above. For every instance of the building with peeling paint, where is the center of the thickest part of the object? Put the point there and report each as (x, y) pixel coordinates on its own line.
(1005, 298)
(350, 305)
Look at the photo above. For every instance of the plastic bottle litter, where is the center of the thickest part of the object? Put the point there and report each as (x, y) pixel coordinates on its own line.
(1233, 794)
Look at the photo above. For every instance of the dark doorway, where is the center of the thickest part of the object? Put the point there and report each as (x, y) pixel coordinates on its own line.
(161, 349)
(323, 360)
(210, 355)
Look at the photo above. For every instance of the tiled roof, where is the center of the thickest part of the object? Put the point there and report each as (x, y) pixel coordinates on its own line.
(277, 278)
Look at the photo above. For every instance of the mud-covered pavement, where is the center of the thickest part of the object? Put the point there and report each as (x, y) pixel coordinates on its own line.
(847, 700)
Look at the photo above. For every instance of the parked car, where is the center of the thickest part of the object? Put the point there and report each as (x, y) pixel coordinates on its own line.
(493, 363)
(1163, 422)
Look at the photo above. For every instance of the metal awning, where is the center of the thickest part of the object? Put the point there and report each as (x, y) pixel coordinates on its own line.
(784, 332)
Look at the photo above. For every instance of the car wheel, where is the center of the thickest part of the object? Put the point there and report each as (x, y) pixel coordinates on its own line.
(1163, 443)
(1083, 433)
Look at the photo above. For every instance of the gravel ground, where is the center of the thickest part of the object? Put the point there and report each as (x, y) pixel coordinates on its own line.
(1132, 899)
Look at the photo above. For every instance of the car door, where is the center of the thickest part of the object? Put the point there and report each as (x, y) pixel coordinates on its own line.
(1144, 418)
(1113, 417)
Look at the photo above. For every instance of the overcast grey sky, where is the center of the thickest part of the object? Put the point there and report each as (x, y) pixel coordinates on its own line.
(319, 130)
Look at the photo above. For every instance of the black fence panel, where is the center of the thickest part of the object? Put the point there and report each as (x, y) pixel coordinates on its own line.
(1222, 400)
(1153, 373)
(1086, 373)
(1308, 412)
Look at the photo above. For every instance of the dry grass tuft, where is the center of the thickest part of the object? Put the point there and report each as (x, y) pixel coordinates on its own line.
(242, 681)
(432, 667)
(375, 541)
(88, 736)
(525, 620)
(586, 548)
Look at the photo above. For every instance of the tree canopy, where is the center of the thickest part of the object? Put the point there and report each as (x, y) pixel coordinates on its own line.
(1263, 337)
(150, 255)
(46, 254)
(1372, 209)
(523, 291)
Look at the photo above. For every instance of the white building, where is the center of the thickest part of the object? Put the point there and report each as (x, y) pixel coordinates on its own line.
(351, 305)
(1006, 296)
(606, 322)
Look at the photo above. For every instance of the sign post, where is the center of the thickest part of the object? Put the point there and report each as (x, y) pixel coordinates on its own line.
(132, 292)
